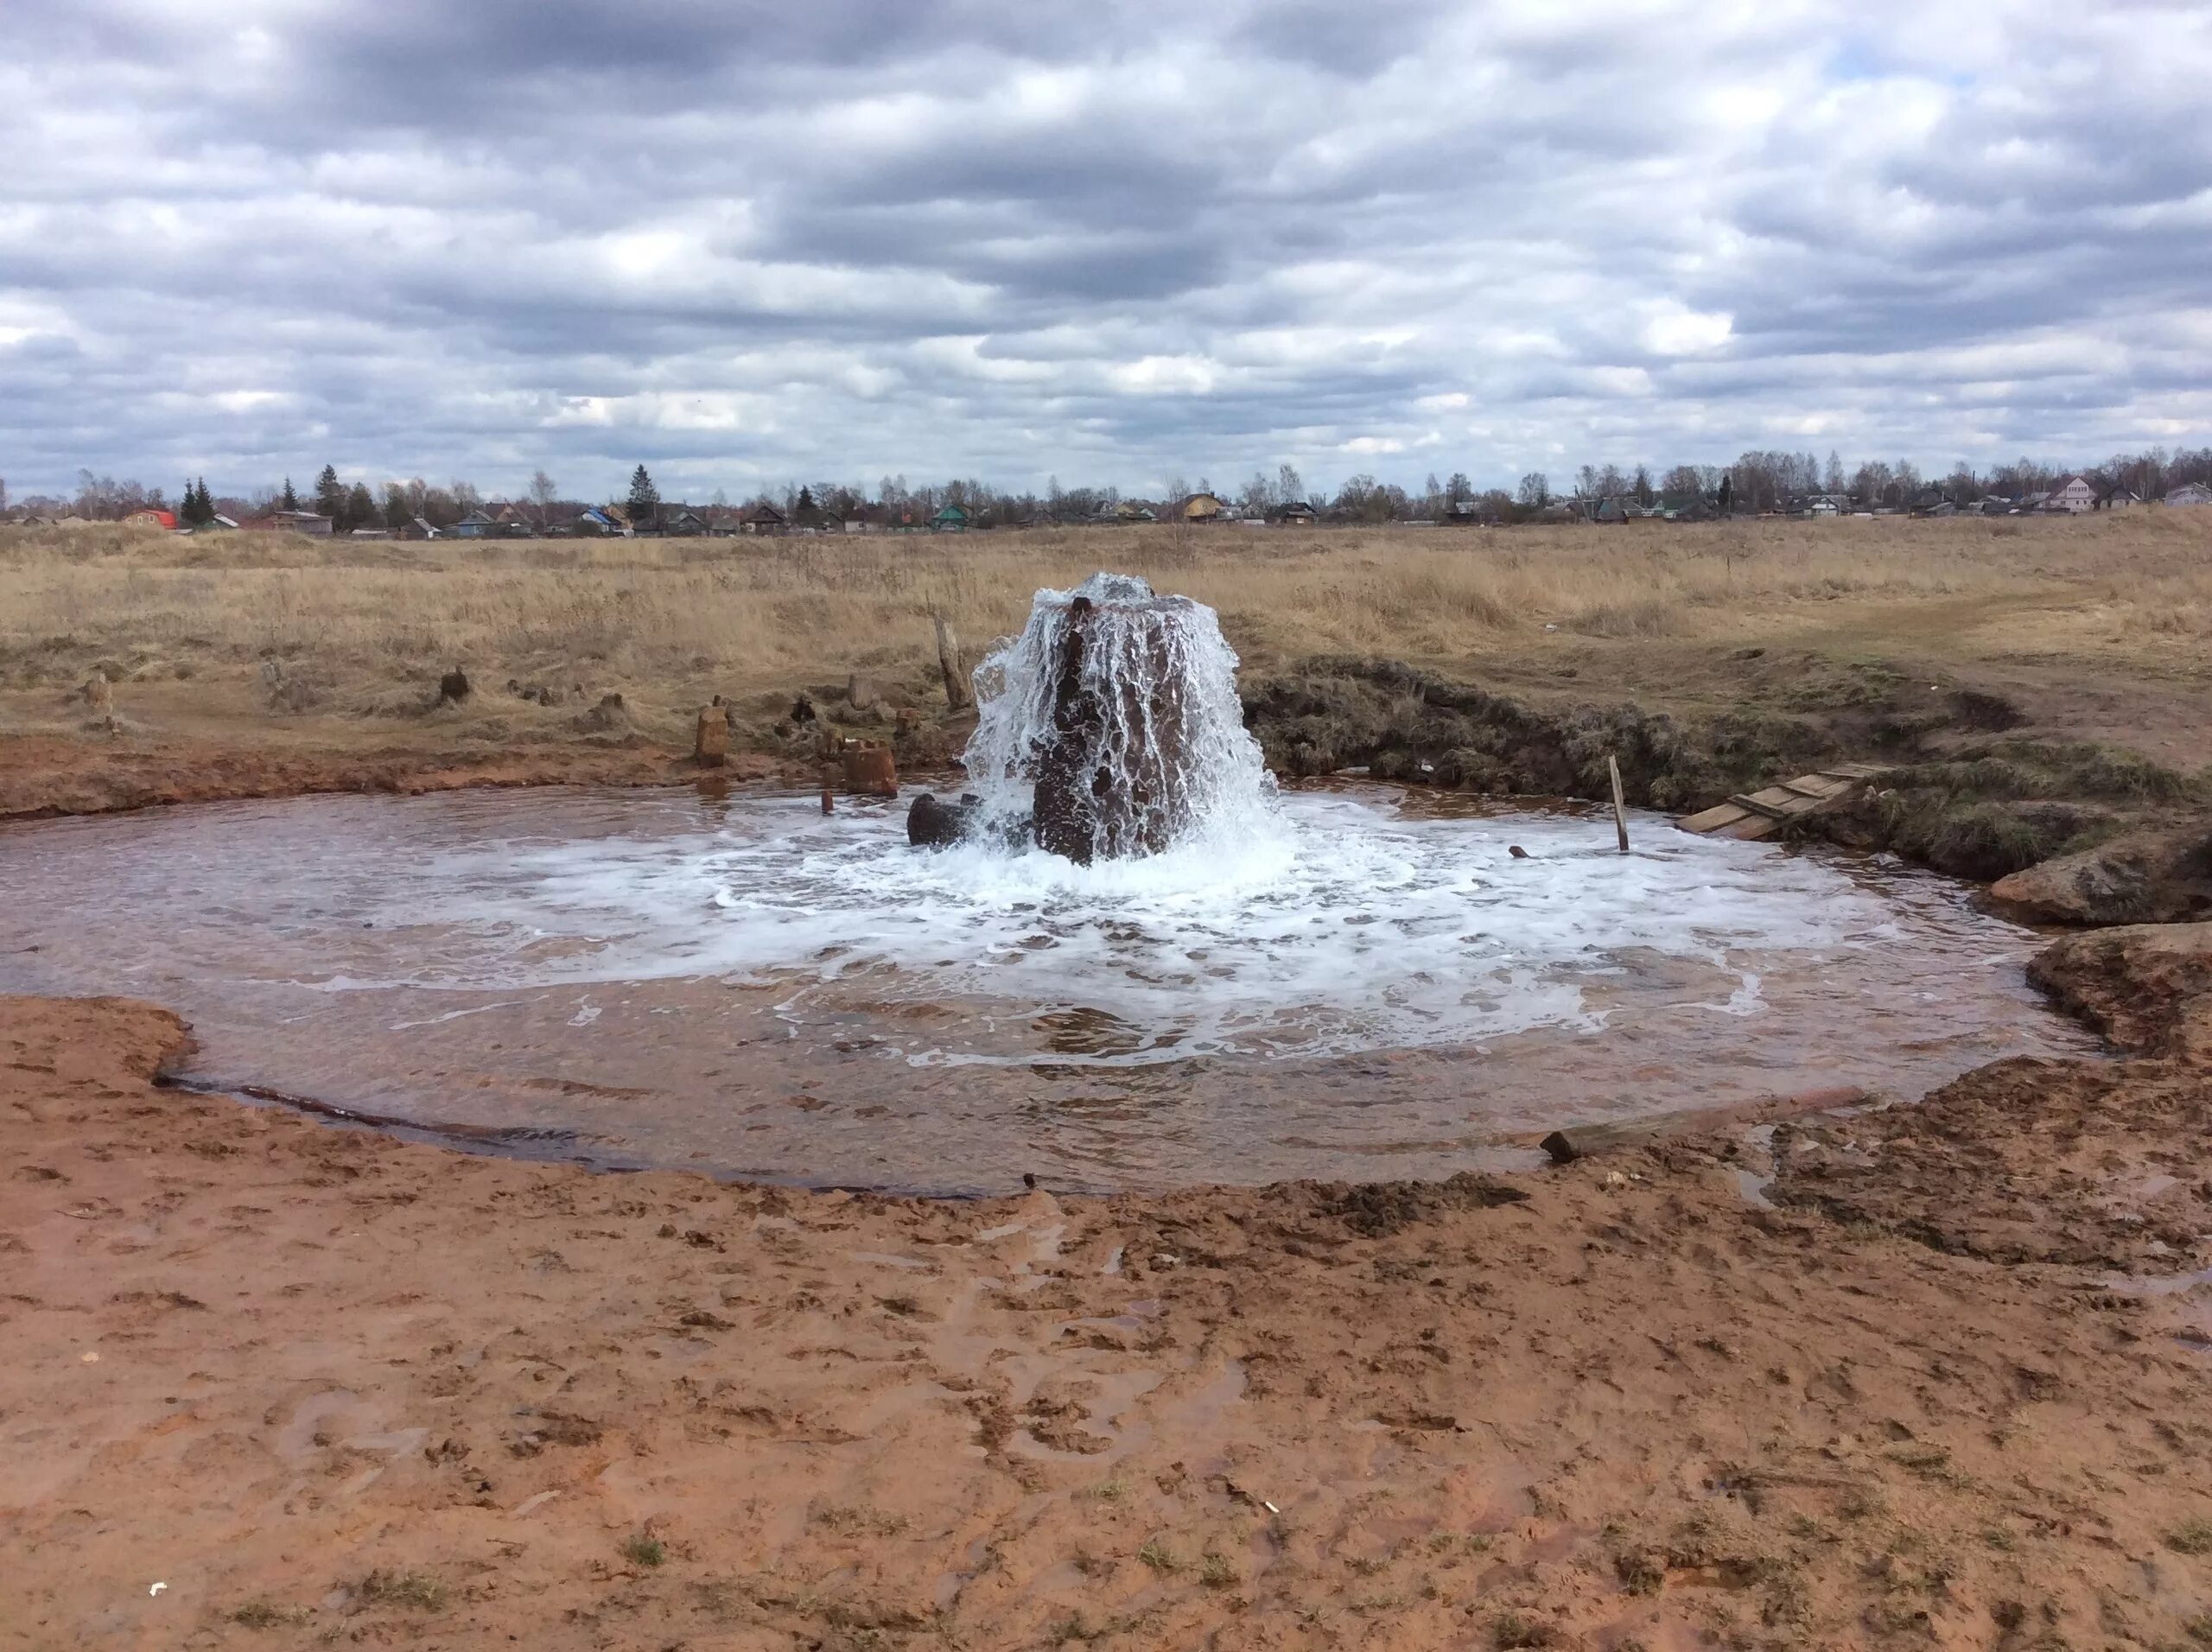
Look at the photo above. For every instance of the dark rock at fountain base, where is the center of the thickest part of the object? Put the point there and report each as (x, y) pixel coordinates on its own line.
(932, 823)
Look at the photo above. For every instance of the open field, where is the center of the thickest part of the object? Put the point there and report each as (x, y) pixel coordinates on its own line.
(2130, 594)
(227, 652)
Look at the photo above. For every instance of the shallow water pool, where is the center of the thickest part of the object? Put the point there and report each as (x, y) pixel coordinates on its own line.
(1367, 983)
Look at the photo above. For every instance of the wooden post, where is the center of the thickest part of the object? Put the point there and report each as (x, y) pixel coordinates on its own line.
(710, 748)
(948, 662)
(871, 770)
(1620, 808)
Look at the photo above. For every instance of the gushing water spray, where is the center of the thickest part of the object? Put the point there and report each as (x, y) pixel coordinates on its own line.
(1111, 727)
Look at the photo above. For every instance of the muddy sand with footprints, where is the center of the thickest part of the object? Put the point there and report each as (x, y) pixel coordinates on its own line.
(1930, 1375)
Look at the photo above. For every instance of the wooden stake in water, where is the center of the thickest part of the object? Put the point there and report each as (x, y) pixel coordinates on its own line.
(1620, 808)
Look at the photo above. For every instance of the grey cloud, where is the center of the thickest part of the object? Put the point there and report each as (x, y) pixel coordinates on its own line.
(750, 242)
(1349, 40)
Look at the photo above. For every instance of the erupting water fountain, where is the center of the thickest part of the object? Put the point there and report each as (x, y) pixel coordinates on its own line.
(1110, 729)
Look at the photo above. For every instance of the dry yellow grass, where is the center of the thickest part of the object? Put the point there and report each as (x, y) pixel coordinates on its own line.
(2129, 594)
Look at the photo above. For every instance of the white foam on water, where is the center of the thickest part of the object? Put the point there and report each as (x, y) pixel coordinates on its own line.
(1336, 924)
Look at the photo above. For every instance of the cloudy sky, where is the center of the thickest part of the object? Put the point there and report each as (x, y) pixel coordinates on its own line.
(748, 242)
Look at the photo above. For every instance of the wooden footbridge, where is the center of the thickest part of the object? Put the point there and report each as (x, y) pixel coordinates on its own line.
(1761, 813)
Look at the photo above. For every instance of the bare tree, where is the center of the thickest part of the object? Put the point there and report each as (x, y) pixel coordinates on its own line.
(1290, 487)
(1536, 491)
(542, 492)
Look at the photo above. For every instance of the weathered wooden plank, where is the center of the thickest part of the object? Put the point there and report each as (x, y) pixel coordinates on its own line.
(1753, 828)
(1712, 819)
(1818, 787)
(1751, 815)
(1757, 804)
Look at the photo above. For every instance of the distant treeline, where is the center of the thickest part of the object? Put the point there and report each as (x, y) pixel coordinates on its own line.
(1756, 482)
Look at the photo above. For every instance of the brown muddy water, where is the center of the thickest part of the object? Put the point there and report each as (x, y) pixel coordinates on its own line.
(1368, 984)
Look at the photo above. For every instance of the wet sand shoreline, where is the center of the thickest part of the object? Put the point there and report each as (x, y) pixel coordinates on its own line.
(325, 1386)
(47, 776)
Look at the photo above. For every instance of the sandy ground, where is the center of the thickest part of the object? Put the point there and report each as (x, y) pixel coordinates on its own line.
(1859, 1381)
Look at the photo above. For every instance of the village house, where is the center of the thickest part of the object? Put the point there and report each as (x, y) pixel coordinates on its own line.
(151, 517)
(1297, 514)
(680, 522)
(418, 528)
(1195, 507)
(2074, 498)
(2190, 493)
(477, 524)
(760, 517)
(950, 519)
(307, 522)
